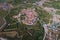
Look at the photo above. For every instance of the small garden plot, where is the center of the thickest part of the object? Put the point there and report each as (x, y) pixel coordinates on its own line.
(56, 4)
(58, 12)
(3, 13)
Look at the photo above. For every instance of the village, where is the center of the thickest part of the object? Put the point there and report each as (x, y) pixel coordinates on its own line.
(27, 20)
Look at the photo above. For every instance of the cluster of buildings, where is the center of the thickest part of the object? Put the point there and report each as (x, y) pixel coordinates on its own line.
(29, 16)
(52, 30)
